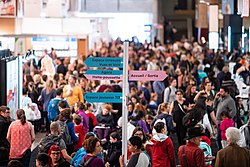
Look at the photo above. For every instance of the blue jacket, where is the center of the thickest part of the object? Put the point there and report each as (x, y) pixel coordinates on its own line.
(53, 109)
(71, 128)
(76, 160)
(47, 97)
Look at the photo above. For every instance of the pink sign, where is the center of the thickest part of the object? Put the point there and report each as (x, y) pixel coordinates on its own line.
(103, 77)
(146, 75)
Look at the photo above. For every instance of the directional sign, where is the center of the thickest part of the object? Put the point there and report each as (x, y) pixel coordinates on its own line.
(104, 72)
(146, 75)
(103, 77)
(102, 62)
(113, 97)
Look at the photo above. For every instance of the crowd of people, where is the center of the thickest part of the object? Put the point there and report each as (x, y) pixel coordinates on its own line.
(196, 103)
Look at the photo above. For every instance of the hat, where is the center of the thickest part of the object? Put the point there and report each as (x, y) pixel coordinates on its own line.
(194, 132)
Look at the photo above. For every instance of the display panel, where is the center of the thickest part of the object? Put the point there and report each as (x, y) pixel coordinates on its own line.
(12, 86)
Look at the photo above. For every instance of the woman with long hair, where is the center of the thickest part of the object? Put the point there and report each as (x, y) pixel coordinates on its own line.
(21, 135)
(190, 93)
(47, 94)
(179, 108)
(65, 117)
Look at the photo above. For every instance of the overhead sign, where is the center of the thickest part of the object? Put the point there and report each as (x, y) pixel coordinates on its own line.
(102, 62)
(146, 75)
(103, 72)
(113, 97)
(104, 77)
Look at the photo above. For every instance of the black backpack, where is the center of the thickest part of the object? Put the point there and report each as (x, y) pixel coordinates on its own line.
(192, 118)
(85, 163)
(91, 124)
(48, 141)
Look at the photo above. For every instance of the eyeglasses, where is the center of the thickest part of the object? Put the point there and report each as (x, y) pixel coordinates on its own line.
(138, 134)
(55, 153)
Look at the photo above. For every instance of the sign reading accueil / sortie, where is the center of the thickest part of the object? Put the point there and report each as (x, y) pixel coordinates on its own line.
(112, 97)
(146, 75)
(104, 62)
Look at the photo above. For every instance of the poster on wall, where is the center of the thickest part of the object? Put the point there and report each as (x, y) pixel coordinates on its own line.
(227, 6)
(7, 8)
(12, 86)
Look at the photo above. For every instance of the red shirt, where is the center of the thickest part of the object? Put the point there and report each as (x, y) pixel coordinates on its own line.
(91, 115)
(80, 132)
(195, 155)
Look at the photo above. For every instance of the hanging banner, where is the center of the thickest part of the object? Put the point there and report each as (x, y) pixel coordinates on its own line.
(201, 16)
(213, 18)
(245, 9)
(227, 6)
(7, 8)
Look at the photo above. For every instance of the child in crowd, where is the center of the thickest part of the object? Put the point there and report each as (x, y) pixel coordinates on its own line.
(226, 122)
(79, 131)
(92, 118)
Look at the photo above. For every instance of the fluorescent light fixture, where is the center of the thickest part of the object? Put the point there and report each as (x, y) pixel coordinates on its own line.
(229, 38)
(242, 39)
(248, 39)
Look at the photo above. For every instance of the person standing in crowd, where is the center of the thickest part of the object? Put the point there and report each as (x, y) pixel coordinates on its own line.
(163, 148)
(159, 87)
(163, 113)
(138, 158)
(72, 92)
(233, 155)
(93, 148)
(61, 69)
(47, 94)
(65, 117)
(169, 92)
(223, 102)
(54, 136)
(226, 122)
(43, 160)
(146, 144)
(57, 157)
(179, 108)
(79, 131)
(114, 151)
(4, 143)
(79, 109)
(53, 108)
(47, 66)
(21, 131)
(91, 116)
(105, 122)
(190, 154)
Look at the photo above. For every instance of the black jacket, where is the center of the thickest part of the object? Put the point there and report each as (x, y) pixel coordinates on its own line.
(4, 144)
(114, 153)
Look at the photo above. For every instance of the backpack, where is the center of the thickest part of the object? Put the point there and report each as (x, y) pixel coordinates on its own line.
(192, 118)
(48, 141)
(245, 136)
(64, 134)
(163, 92)
(85, 163)
(91, 124)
